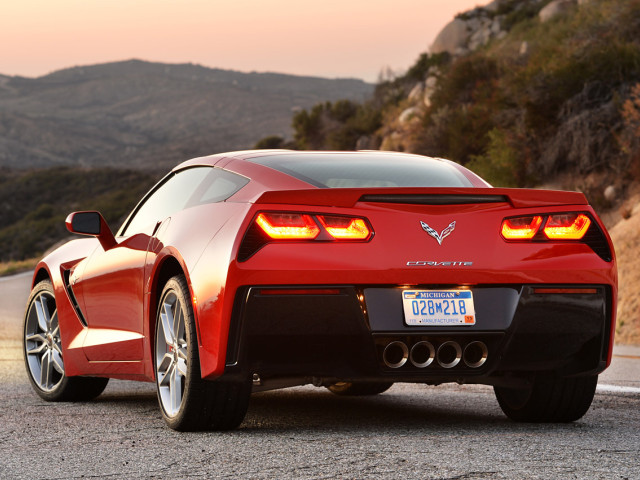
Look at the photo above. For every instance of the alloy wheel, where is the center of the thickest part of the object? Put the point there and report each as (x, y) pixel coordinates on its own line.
(43, 349)
(171, 353)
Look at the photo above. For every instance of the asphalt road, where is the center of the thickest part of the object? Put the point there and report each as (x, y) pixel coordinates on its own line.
(411, 431)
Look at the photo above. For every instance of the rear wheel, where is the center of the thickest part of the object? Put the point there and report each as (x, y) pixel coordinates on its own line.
(549, 399)
(359, 388)
(188, 402)
(42, 348)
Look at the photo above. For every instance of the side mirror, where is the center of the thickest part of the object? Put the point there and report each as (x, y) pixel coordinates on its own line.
(91, 223)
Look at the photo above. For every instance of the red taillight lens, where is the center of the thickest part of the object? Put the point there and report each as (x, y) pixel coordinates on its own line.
(521, 228)
(288, 226)
(567, 226)
(269, 227)
(345, 228)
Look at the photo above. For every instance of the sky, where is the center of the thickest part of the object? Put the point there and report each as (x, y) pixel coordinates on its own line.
(327, 38)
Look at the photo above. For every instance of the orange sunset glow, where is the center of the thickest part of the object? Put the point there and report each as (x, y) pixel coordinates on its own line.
(330, 38)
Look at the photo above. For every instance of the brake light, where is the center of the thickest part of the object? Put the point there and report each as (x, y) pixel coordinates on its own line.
(521, 228)
(288, 226)
(269, 227)
(345, 228)
(567, 226)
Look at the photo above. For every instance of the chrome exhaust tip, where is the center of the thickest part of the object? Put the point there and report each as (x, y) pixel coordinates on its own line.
(422, 354)
(475, 354)
(449, 354)
(395, 354)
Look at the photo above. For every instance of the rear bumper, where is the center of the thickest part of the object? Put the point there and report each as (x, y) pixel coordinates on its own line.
(358, 333)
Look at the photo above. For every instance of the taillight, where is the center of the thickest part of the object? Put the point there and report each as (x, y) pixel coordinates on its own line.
(288, 226)
(521, 228)
(268, 227)
(345, 228)
(567, 226)
(558, 226)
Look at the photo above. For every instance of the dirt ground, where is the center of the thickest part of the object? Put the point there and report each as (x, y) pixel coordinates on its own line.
(626, 240)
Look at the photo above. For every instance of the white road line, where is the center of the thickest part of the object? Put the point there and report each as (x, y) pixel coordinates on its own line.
(617, 389)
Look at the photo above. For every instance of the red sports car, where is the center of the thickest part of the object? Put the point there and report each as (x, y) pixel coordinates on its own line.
(258, 270)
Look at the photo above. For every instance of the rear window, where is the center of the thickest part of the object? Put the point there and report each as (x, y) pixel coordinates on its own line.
(357, 170)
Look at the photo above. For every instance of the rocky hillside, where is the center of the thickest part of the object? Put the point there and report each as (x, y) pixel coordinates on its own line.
(525, 93)
(144, 114)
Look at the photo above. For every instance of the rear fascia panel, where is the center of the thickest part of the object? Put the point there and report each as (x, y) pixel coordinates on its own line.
(399, 240)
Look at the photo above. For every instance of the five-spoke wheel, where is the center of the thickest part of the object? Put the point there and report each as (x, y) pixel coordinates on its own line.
(171, 353)
(43, 349)
(187, 401)
(43, 352)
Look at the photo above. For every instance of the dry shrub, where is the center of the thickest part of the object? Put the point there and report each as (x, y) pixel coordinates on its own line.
(630, 137)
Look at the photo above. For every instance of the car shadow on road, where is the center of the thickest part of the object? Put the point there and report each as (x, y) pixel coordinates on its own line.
(320, 410)
(316, 410)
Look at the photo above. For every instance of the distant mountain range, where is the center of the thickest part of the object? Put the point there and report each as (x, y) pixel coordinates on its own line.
(150, 115)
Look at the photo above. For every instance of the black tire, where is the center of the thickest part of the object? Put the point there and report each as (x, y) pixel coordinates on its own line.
(42, 351)
(189, 403)
(549, 399)
(353, 389)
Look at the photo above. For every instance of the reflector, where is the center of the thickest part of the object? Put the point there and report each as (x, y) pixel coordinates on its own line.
(567, 226)
(288, 226)
(565, 290)
(300, 291)
(521, 228)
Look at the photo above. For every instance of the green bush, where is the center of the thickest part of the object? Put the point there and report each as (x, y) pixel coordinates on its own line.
(270, 142)
(499, 165)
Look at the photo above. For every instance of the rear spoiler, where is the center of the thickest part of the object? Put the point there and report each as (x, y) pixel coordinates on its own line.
(348, 197)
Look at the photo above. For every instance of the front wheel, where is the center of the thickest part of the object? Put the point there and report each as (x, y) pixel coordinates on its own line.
(187, 402)
(548, 399)
(42, 348)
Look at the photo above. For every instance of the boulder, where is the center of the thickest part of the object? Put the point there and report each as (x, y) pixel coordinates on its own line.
(431, 82)
(452, 38)
(555, 9)
(393, 142)
(416, 93)
(581, 142)
(493, 6)
(429, 87)
(610, 193)
(481, 36)
(409, 114)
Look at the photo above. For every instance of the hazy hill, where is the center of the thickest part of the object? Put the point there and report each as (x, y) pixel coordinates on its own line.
(143, 114)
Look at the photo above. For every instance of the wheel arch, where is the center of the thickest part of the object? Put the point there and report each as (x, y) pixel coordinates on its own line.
(168, 266)
(41, 273)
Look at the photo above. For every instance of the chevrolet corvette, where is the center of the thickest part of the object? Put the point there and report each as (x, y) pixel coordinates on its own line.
(258, 270)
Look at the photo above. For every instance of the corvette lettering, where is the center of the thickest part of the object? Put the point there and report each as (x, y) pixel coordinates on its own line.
(429, 263)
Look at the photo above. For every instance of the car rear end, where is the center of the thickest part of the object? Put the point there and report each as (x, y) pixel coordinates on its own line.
(437, 285)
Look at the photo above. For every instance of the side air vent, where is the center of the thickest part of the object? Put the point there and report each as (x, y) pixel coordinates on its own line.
(67, 285)
(434, 199)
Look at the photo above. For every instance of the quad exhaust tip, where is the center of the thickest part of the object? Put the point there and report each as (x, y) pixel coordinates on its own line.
(449, 354)
(475, 354)
(423, 353)
(395, 354)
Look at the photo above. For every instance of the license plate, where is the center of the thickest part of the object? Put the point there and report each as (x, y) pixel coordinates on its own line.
(439, 308)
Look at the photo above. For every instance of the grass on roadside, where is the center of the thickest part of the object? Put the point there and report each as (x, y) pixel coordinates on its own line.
(13, 267)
